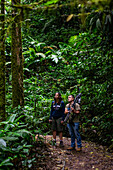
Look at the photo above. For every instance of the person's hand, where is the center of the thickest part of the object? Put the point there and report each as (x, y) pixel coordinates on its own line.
(77, 111)
(66, 111)
(62, 122)
(50, 120)
(72, 109)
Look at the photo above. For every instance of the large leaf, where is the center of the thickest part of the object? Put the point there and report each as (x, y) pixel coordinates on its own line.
(23, 131)
(9, 138)
(2, 143)
(41, 54)
(69, 17)
(6, 162)
(19, 118)
(51, 2)
(4, 123)
(11, 119)
(55, 58)
(108, 19)
(98, 23)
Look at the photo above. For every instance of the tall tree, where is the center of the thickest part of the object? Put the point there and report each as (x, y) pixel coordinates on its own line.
(2, 63)
(16, 57)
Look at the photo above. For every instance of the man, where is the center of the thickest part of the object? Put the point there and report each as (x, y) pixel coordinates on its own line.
(73, 123)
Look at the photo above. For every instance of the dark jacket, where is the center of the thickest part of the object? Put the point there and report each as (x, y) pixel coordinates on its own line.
(57, 110)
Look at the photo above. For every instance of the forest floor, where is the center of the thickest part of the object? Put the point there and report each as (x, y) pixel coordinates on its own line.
(92, 156)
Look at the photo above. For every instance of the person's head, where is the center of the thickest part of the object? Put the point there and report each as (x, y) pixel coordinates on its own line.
(70, 98)
(57, 97)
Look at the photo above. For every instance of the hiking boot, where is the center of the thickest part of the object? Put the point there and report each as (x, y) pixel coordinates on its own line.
(61, 144)
(71, 148)
(79, 149)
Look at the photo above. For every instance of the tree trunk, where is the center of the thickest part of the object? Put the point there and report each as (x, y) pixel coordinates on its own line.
(2, 64)
(17, 58)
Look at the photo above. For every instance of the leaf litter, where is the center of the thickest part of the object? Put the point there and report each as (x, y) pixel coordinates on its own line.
(92, 156)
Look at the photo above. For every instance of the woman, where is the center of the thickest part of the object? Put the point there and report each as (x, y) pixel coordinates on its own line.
(57, 117)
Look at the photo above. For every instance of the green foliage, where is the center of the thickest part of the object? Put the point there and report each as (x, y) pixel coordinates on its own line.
(48, 23)
(83, 61)
(73, 57)
(17, 136)
(50, 69)
(100, 20)
(94, 68)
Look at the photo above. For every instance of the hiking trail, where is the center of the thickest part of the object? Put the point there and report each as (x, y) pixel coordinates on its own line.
(92, 156)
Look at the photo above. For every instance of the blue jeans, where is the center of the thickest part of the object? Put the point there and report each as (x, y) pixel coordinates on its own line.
(74, 132)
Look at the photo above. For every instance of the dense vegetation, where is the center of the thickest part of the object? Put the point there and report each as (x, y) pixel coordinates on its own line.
(60, 54)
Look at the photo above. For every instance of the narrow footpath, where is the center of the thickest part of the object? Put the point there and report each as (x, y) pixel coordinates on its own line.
(92, 157)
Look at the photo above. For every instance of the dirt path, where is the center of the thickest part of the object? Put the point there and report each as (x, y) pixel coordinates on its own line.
(92, 157)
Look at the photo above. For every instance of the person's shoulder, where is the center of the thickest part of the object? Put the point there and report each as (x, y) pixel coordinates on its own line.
(52, 102)
(67, 105)
(77, 106)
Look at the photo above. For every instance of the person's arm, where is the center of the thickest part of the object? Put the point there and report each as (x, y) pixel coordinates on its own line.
(50, 118)
(66, 111)
(77, 109)
(67, 108)
(63, 110)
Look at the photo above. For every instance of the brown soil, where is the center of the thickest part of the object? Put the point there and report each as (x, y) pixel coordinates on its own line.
(92, 157)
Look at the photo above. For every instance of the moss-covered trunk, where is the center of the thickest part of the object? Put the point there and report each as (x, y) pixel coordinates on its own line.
(17, 58)
(2, 64)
